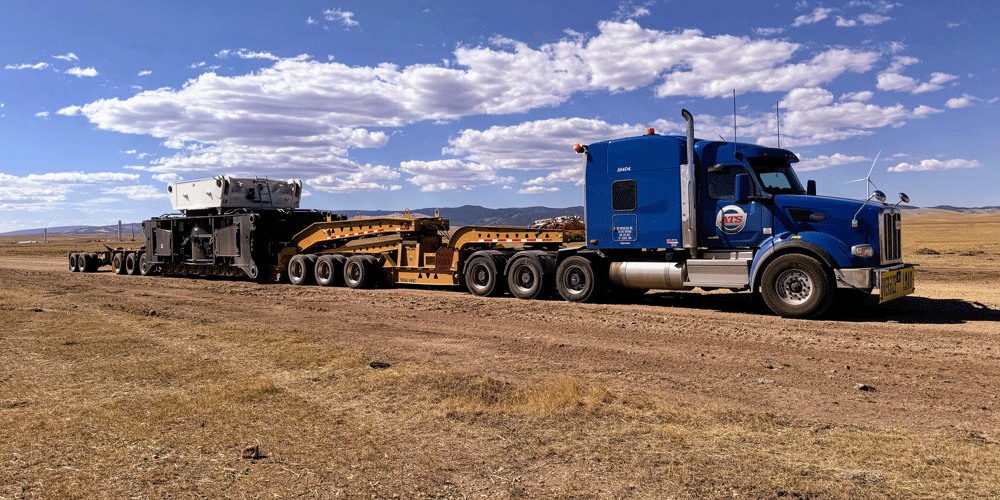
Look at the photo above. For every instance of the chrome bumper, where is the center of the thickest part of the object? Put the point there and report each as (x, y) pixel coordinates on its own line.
(863, 277)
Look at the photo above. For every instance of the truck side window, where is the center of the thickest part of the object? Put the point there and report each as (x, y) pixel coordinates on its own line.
(721, 181)
(623, 196)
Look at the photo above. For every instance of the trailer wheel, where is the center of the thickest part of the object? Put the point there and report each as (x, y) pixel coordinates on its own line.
(578, 281)
(73, 266)
(131, 264)
(145, 268)
(86, 262)
(118, 263)
(527, 280)
(796, 286)
(360, 271)
(300, 269)
(330, 270)
(481, 277)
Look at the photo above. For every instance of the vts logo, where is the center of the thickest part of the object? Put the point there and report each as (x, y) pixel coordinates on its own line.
(731, 219)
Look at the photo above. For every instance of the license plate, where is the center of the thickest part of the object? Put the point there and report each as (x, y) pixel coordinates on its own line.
(895, 284)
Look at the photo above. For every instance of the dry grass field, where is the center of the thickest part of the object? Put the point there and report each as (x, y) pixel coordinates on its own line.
(152, 387)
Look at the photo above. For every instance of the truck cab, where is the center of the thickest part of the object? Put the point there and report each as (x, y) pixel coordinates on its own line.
(679, 212)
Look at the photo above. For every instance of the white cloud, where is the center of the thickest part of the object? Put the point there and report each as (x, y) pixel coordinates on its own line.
(823, 161)
(310, 20)
(197, 65)
(862, 96)
(818, 14)
(537, 189)
(81, 72)
(962, 102)
(40, 65)
(69, 111)
(451, 174)
(139, 193)
(343, 17)
(891, 79)
(846, 23)
(68, 57)
(42, 114)
(144, 73)
(871, 19)
(368, 178)
(301, 117)
(247, 54)
(35, 192)
(769, 31)
(934, 165)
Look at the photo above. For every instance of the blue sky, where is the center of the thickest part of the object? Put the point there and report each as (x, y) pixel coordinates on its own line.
(397, 104)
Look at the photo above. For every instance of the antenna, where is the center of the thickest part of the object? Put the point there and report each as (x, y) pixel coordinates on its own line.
(734, 124)
(777, 121)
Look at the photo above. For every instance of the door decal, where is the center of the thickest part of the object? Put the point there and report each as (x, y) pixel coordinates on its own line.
(731, 219)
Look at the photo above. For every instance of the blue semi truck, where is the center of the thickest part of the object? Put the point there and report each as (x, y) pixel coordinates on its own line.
(662, 212)
(675, 212)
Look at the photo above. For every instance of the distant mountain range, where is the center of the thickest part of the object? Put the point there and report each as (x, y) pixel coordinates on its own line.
(465, 215)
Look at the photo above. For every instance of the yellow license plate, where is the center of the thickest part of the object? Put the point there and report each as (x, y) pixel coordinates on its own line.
(895, 284)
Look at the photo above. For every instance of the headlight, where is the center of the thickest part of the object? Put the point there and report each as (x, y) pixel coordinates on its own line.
(863, 251)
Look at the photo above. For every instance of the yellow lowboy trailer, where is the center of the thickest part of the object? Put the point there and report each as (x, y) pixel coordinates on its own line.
(362, 253)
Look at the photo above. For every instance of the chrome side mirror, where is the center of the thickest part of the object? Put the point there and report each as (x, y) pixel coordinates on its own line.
(879, 195)
(902, 199)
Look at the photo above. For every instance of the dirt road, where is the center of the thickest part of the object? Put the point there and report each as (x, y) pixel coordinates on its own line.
(927, 361)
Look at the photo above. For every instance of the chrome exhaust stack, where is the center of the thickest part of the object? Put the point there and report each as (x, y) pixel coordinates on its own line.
(689, 225)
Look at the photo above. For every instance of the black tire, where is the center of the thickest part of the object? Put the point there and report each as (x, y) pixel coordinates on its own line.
(300, 269)
(580, 280)
(361, 271)
(74, 267)
(118, 263)
(132, 264)
(482, 279)
(526, 279)
(796, 286)
(329, 270)
(145, 268)
(87, 262)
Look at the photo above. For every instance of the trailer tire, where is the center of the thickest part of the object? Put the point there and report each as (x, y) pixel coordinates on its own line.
(329, 270)
(73, 266)
(482, 278)
(87, 262)
(145, 268)
(131, 264)
(360, 271)
(796, 286)
(118, 263)
(300, 269)
(579, 281)
(526, 279)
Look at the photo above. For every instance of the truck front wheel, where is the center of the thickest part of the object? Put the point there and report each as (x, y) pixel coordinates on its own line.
(796, 286)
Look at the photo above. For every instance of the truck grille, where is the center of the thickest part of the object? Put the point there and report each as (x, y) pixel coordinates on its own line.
(889, 232)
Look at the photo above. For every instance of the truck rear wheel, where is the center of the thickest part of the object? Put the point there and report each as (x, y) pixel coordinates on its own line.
(330, 270)
(527, 280)
(145, 268)
(73, 266)
(796, 286)
(300, 269)
(578, 281)
(481, 277)
(118, 263)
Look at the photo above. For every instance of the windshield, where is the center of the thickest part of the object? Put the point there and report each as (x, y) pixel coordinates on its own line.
(777, 176)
